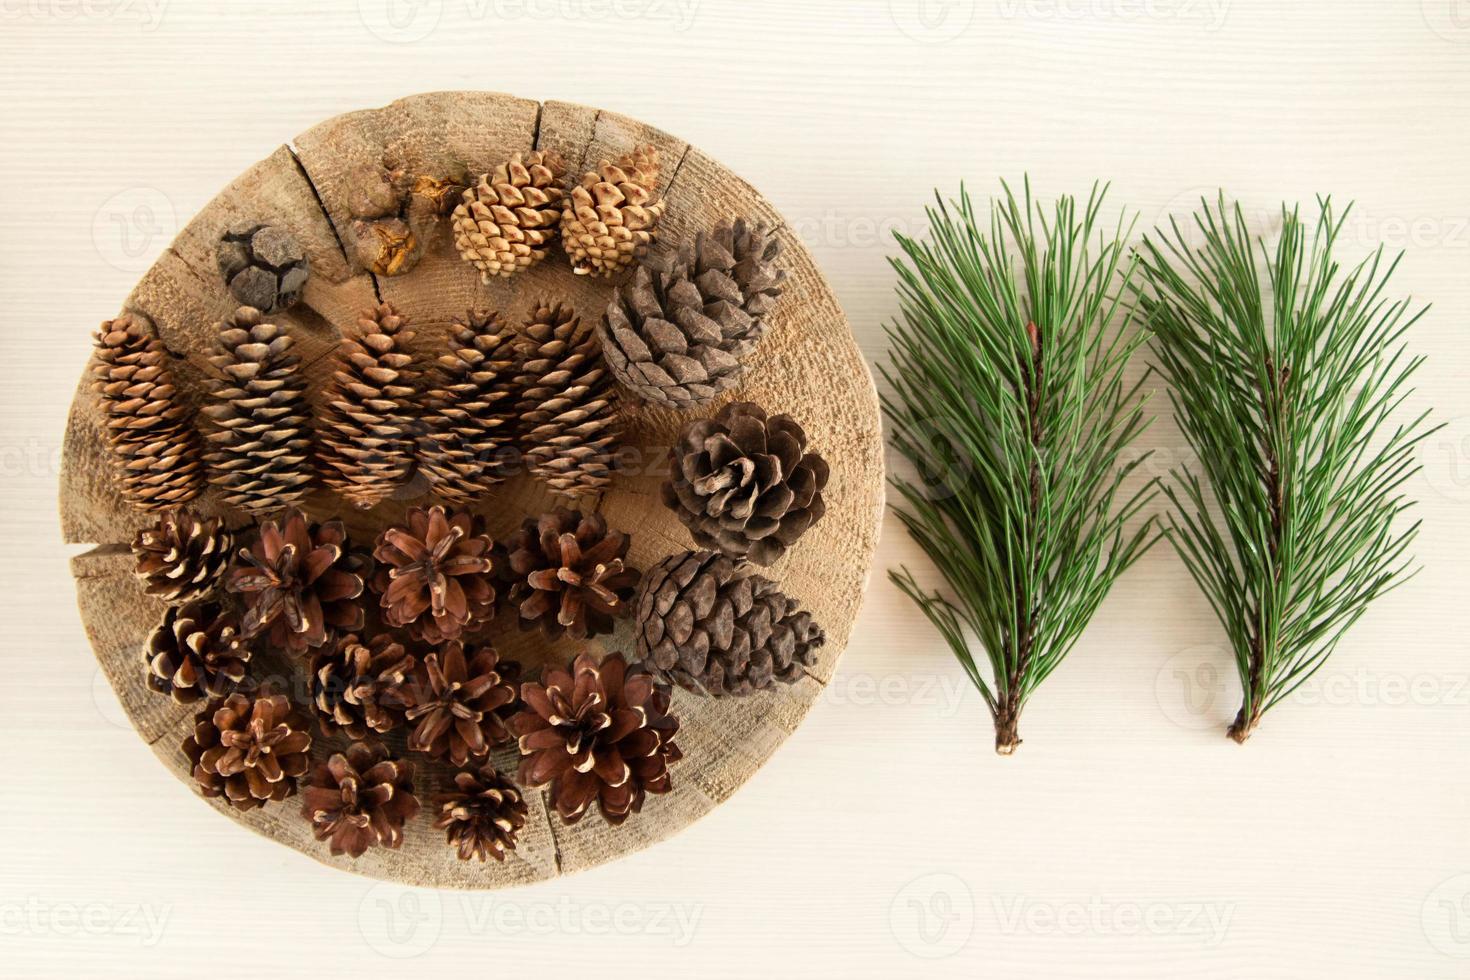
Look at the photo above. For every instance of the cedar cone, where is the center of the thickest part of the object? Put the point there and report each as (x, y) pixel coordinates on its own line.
(366, 441)
(300, 583)
(467, 426)
(435, 574)
(678, 334)
(360, 797)
(262, 441)
(155, 449)
(358, 686)
(386, 235)
(596, 733)
(743, 483)
(182, 557)
(459, 701)
(263, 265)
(196, 652)
(506, 222)
(568, 574)
(701, 627)
(482, 814)
(610, 218)
(249, 750)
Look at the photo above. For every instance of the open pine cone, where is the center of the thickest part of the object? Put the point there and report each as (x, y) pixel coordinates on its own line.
(459, 701)
(611, 217)
(359, 686)
(468, 421)
(249, 750)
(182, 557)
(482, 814)
(435, 574)
(568, 574)
(507, 221)
(360, 798)
(196, 652)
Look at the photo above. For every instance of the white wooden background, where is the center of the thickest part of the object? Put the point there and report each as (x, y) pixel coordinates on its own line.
(1126, 839)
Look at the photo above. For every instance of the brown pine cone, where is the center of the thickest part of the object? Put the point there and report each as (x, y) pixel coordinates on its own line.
(182, 557)
(249, 750)
(360, 798)
(359, 686)
(743, 484)
(595, 733)
(458, 705)
(482, 814)
(701, 627)
(196, 652)
(263, 265)
(468, 420)
(381, 237)
(435, 574)
(568, 574)
(611, 217)
(505, 223)
(155, 449)
(300, 583)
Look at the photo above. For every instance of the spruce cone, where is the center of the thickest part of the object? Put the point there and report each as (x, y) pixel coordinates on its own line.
(459, 701)
(610, 218)
(182, 557)
(359, 798)
(678, 334)
(196, 652)
(596, 733)
(154, 446)
(482, 814)
(568, 574)
(366, 442)
(262, 443)
(701, 627)
(300, 583)
(382, 237)
(506, 222)
(467, 427)
(359, 686)
(435, 574)
(743, 483)
(263, 265)
(249, 750)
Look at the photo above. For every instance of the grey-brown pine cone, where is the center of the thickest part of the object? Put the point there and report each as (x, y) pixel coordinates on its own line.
(612, 216)
(263, 265)
(196, 652)
(508, 220)
(469, 425)
(182, 557)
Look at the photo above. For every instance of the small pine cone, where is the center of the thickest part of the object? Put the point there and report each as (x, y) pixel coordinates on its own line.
(196, 652)
(366, 435)
(596, 733)
(506, 222)
(679, 333)
(261, 447)
(743, 484)
(705, 629)
(154, 446)
(263, 266)
(249, 750)
(359, 686)
(468, 424)
(568, 574)
(436, 574)
(360, 798)
(380, 237)
(459, 699)
(482, 815)
(611, 217)
(182, 557)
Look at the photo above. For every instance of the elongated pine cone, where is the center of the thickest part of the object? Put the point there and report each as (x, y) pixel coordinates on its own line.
(435, 574)
(459, 702)
(678, 334)
(743, 483)
(468, 434)
(260, 450)
(359, 686)
(155, 449)
(196, 652)
(611, 217)
(506, 222)
(183, 556)
(366, 436)
(249, 750)
(360, 798)
(300, 582)
(596, 734)
(568, 574)
(263, 265)
(482, 814)
(704, 628)
(383, 237)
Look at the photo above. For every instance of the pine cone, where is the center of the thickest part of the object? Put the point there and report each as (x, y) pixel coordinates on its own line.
(701, 627)
(358, 686)
(743, 483)
(300, 583)
(262, 443)
(439, 563)
(196, 652)
(506, 222)
(468, 428)
(482, 814)
(249, 750)
(366, 442)
(154, 447)
(678, 334)
(381, 237)
(263, 265)
(611, 217)
(459, 699)
(359, 798)
(596, 733)
(568, 574)
(182, 557)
